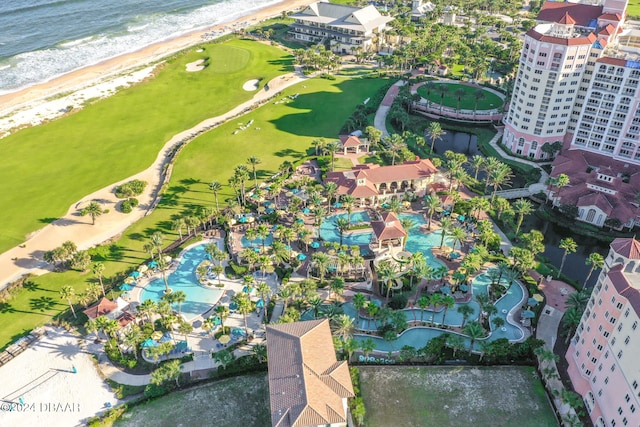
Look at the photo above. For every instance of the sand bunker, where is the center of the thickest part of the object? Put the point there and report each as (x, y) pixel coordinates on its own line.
(195, 66)
(251, 85)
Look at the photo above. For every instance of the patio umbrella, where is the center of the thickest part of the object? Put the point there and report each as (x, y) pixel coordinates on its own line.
(454, 255)
(528, 314)
(300, 221)
(260, 303)
(538, 297)
(233, 306)
(446, 212)
(165, 337)
(153, 264)
(385, 205)
(445, 290)
(247, 289)
(243, 219)
(302, 257)
(125, 287)
(129, 280)
(337, 205)
(216, 320)
(143, 268)
(269, 211)
(295, 191)
(315, 245)
(237, 331)
(256, 249)
(464, 288)
(156, 335)
(224, 339)
(461, 218)
(134, 274)
(306, 210)
(268, 203)
(532, 302)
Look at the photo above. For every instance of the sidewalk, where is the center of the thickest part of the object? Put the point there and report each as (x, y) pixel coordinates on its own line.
(380, 120)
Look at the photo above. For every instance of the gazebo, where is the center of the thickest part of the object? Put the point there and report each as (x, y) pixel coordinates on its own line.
(353, 144)
(389, 230)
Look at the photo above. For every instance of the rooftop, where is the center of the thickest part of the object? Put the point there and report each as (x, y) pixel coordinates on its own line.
(336, 15)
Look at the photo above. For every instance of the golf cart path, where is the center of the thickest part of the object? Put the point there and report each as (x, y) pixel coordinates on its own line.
(28, 257)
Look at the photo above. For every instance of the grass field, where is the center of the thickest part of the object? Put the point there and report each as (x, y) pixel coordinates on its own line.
(633, 9)
(467, 100)
(286, 132)
(454, 396)
(238, 401)
(47, 168)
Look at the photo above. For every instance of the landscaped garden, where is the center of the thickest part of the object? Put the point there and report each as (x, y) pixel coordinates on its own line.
(455, 396)
(460, 96)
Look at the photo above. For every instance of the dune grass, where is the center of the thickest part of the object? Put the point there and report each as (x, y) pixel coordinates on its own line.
(47, 168)
(455, 396)
(467, 100)
(285, 133)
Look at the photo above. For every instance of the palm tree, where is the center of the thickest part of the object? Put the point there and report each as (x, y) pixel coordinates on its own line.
(133, 337)
(342, 224)
(367, 345)
(499, 177)
(570, 246)
(395, 143)
(185, 329)
(459, 236)
(321, 261)
(477, 162)
(330, 188)
(163, 267)
(263, 232)
(98, 270)
(446, 225)
(459, 93)
(435, 132)
(578, 300)
(156, 240)
(147, 308)
(215, 187)
(67, 292)
(245, 306)
(179, 297)
(178, 224)
(443, 89)
(595, 260)
(432, 204)
(254, 161)
(447, 302)
(386, 273)
(222, 311)
(466, 310)
(521, 207)
(343, 326)
(359, 301)
(94, 210)
(436, 301)
(473, 330)
(337, 286)
(559, 182)
(477, 95)
(331, 147)
(347, 203)
(570, 322)
(423, 302)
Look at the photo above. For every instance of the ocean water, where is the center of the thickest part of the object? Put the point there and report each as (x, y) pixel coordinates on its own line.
(43, 39)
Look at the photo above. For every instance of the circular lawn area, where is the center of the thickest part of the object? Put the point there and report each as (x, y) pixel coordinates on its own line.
(467, 96)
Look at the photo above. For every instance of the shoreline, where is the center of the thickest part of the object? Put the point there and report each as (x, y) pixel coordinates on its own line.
(21, 102)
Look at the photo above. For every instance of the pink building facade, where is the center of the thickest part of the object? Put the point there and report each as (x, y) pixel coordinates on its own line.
(556, 67)
(603, 354)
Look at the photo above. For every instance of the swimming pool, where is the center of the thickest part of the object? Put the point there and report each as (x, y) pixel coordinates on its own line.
(421, 240)
(329, 230)
(257, 242)
(199, 298)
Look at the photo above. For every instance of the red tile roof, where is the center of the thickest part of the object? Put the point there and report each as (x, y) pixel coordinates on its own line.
(607, 30)
(125, 319)
(627, 247)
(306, 382)
(388, 228)
(350, 141)
(611, 17)
(101, 308)
(612, 61)
(583, 14)
(620, 281)
(372, 175)
(567, 19)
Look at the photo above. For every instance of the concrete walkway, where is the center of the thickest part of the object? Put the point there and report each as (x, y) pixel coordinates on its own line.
(380, 120)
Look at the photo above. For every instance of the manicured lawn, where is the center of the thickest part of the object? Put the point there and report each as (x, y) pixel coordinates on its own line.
(467, 100)
(238, 401)
(285, 133)
(342, 164)
(454, 396)
(47, 168)
(633, 8)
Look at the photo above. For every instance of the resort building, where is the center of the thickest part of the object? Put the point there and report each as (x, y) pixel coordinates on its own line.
(307, 385)
(604, 190)
(603, 353)
(561, 85)
(420, 10)
(372, 184)
(345, 27)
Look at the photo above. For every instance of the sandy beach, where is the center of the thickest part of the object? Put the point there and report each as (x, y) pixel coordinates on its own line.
(36, 104)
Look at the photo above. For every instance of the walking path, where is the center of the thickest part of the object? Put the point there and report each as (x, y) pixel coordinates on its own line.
(27, 258)
(380, 120)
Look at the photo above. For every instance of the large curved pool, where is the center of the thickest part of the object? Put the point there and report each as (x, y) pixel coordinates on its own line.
(199, 298)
